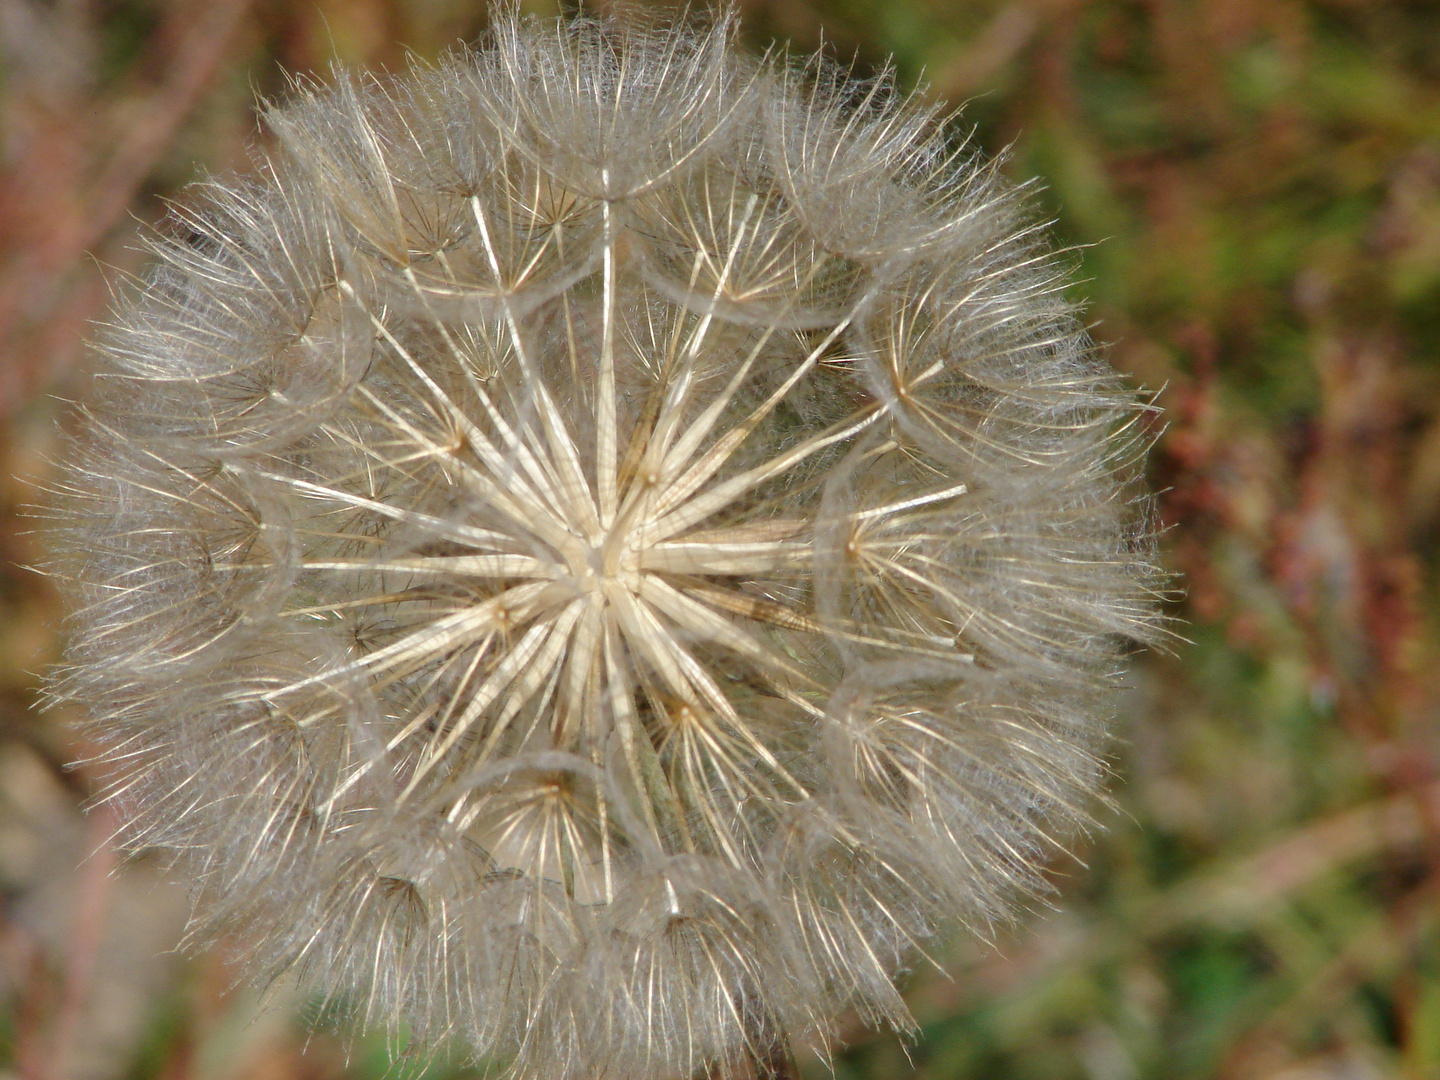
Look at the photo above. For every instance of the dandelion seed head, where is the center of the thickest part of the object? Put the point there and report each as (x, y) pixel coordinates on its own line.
(604, 548)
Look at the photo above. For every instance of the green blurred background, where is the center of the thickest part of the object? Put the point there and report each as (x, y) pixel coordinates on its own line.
(1253, 187)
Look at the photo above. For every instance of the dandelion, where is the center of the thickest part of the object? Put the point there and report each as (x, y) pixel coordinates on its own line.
(604, 549)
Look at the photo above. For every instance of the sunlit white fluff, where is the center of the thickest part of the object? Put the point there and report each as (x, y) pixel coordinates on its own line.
(603, 549)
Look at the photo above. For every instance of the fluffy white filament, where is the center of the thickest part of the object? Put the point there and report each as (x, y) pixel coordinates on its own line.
(604, 549)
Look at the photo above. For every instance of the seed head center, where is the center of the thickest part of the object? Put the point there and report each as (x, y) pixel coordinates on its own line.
(608, 562)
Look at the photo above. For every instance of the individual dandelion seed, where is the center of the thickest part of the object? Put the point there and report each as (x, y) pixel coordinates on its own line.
(603, 549)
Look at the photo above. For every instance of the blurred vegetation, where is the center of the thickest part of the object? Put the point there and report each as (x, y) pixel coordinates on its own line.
(1253, 190)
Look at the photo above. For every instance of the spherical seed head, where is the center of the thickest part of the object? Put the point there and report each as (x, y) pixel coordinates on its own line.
(604, 549)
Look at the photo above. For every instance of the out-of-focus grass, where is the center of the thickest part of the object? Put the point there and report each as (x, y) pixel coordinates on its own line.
(1253, 190)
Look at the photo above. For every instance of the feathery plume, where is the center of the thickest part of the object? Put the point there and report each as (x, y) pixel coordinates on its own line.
(604, 548)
